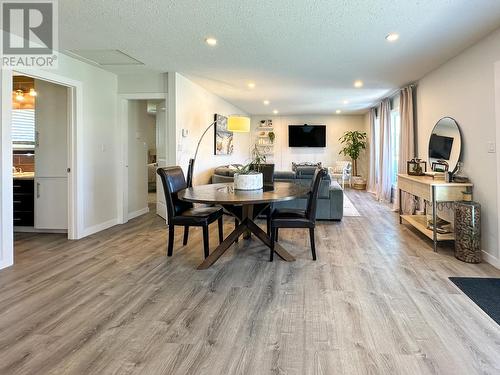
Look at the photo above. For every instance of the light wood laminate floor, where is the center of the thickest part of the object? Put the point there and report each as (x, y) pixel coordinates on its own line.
(377, 301)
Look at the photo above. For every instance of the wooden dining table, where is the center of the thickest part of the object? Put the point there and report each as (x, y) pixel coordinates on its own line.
(245, 205)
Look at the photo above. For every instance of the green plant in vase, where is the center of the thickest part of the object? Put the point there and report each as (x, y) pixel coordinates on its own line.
(249, 176)
(254, 166)
(353, 143)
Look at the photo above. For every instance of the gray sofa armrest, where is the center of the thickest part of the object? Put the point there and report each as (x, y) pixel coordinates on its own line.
(336, 201)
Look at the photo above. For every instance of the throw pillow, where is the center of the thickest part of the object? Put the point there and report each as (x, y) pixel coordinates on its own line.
(305, 164)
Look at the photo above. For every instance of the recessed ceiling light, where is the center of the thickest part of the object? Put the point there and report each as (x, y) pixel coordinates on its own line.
(346, 102)
(251, 85)
(211, 41)
(392, 37)
(266, 102)
(358, 84)
(275, 111)
(338, 111)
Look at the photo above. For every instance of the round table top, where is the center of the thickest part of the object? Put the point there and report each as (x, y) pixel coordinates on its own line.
(226, 194)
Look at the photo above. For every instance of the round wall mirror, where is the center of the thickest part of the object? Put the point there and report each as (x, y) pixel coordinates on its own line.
(445, 145)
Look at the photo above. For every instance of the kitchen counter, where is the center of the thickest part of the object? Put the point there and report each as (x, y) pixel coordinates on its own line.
(24, 176)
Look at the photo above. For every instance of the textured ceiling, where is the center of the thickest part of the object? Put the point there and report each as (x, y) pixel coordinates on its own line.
(303, 55)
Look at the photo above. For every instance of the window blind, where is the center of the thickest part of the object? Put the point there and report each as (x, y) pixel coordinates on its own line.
(23, 127)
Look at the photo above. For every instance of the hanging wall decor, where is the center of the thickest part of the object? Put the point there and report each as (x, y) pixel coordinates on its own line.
(223, 139)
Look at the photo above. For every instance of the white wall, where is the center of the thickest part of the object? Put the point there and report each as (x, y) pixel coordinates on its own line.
(97, 144)
(6, 205)
(497, 110)
(336, 126)
(194, 110)
(139, 123)
(142, 83)
(464, 88)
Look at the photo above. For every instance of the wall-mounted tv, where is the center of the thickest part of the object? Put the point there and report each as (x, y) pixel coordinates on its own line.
(440, 147)
(306, 135)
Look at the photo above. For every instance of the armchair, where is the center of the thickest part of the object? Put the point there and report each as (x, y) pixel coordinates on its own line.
(341, 170)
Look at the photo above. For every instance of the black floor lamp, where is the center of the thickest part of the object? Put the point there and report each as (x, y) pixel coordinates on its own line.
(235, 123)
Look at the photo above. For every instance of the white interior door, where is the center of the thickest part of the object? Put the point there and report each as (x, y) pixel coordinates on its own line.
(51, 203)
(51, 156)
(161, 156)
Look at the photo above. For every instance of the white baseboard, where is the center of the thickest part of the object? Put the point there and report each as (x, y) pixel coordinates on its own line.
(4, 264)
(99, 227)
(137, 213)
(35, 230)
(488, 258)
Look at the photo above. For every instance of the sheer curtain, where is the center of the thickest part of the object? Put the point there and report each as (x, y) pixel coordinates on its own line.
(406, 144)
(372, 176)
(384, 180)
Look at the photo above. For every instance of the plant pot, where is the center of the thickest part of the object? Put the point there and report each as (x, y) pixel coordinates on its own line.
(251, 181)
(358, 183)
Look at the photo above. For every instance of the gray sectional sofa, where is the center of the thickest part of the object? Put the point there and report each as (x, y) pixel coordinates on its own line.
(330, 198)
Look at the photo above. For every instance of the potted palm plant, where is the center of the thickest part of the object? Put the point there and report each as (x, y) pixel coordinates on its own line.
(249, 176)
(353, 143)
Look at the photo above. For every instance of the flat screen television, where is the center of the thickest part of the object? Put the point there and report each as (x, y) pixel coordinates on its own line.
(307, 135)
(440, 147)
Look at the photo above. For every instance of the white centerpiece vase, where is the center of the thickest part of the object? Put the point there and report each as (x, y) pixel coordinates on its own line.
(251, 181)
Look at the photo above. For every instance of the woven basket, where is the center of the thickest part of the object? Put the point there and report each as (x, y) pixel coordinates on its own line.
(359, 183)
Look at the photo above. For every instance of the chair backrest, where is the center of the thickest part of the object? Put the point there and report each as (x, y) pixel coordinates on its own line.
(312, 198)
(267, 174)
(267, 171)
(173, 181)
(189, 179)
(341, 167)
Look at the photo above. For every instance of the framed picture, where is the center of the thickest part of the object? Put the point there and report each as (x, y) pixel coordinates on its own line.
(223, 139)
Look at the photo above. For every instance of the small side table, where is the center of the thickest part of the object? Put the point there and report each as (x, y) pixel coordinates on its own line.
(468, 232)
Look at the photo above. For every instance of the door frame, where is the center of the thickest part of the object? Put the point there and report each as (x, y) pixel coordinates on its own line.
(75, 159)
(496, 262)
(122, 191)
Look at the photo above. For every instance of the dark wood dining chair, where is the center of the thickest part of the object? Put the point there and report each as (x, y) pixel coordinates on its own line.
(268, 177)
(295, 218)
(183, 213)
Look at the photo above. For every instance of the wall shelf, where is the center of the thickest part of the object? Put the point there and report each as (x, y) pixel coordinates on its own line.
(262, 141)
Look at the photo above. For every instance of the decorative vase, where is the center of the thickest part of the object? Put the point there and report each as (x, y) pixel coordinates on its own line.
(468, 232)
(251, 181)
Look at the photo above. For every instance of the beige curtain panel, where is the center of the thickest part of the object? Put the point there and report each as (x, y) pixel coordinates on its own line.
(384, 177)
(406, 145)
(372, 175)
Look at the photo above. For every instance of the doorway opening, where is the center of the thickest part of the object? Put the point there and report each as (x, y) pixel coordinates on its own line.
(40, 128)
(145, 151)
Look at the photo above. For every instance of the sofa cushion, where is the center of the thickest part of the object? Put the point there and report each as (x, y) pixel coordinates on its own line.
(227, 170)
(306, 171)
(284, 175)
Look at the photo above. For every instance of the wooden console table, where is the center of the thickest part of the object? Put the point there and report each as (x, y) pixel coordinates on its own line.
(433, 191)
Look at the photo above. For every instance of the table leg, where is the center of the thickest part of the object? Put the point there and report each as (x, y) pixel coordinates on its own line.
(434, 218)
(400, 206)
(221, 249)
(247, 212)
(278, 249)
(246, 225)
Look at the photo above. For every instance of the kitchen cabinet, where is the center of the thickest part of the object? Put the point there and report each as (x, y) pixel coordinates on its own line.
(51, 203)
(24, 202)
